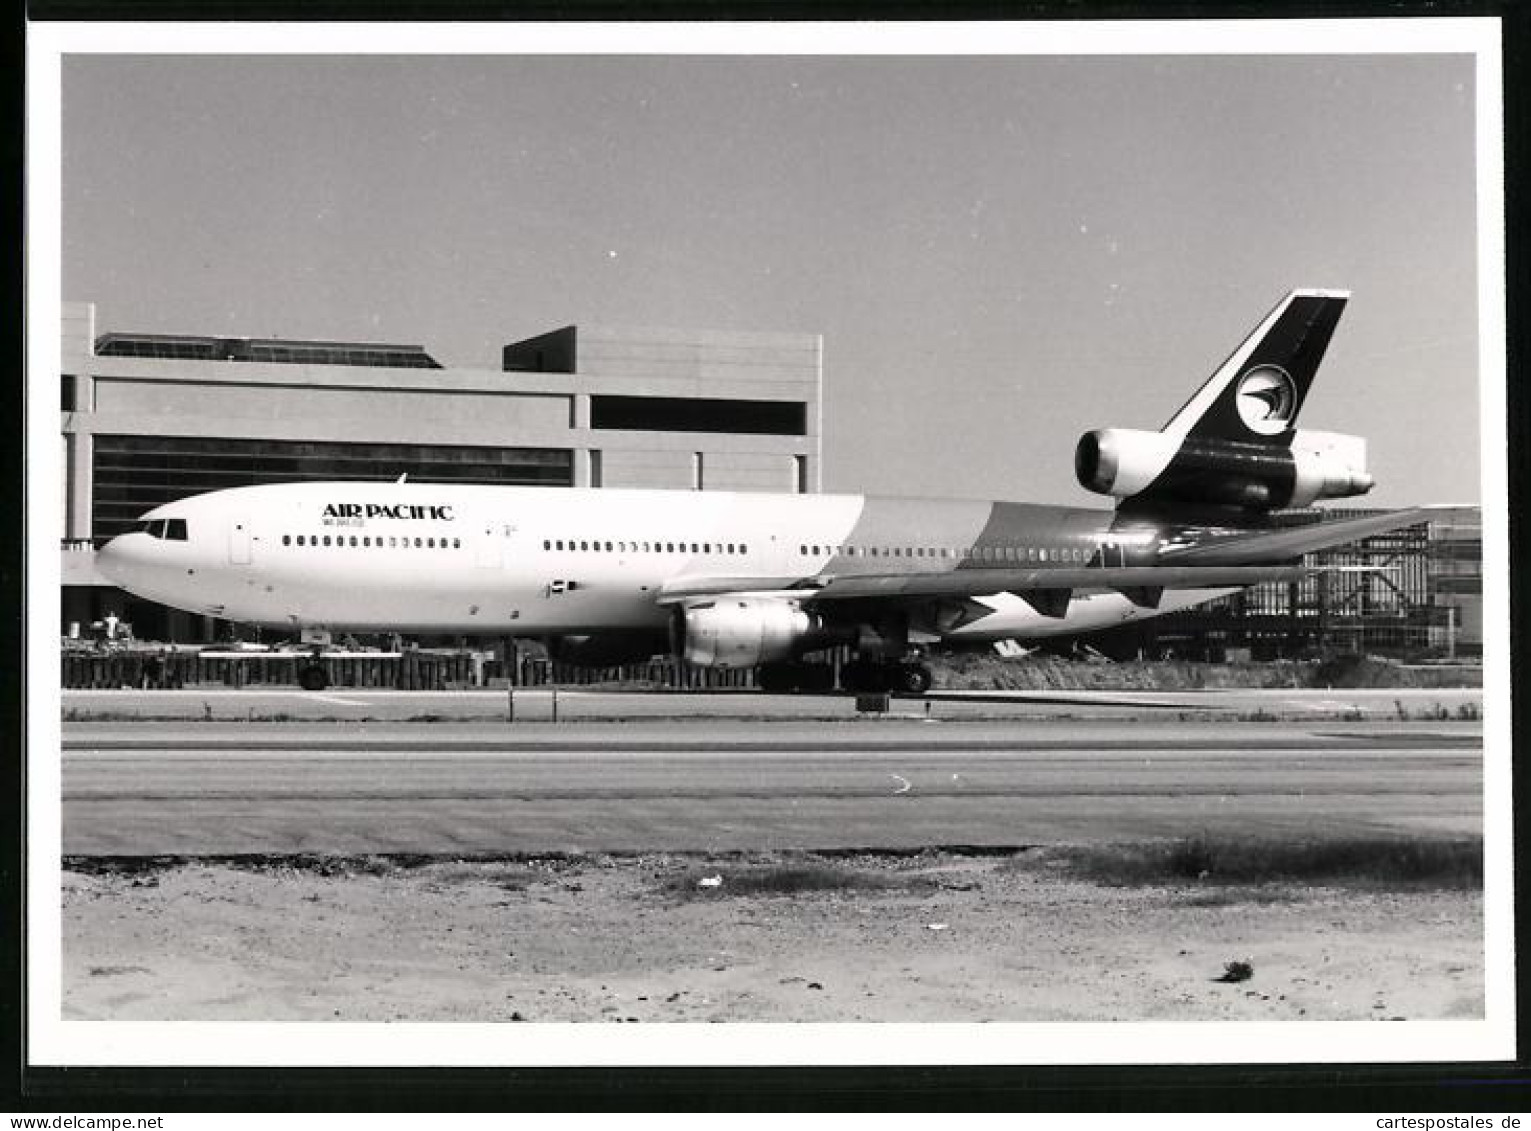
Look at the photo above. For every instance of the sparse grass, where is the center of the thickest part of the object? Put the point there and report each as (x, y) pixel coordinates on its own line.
(798, 877)
(1436, 862)
(511, 872)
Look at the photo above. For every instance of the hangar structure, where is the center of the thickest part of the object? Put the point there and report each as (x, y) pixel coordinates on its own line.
(1412, 592)
(148, 418)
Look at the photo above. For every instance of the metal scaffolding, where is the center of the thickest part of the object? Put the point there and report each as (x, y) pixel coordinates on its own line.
(1412, 592)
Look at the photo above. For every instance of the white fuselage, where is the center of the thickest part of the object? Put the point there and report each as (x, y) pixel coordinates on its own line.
(531, 561)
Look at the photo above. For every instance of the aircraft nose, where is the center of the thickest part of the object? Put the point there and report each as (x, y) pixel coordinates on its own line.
(122, 560)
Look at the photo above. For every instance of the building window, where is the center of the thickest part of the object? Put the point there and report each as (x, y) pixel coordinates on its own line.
(134, 474)
(699, 414)
(67, 393)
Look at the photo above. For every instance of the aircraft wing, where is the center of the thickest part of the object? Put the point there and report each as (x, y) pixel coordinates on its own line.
(1274, 545)
(980, 582)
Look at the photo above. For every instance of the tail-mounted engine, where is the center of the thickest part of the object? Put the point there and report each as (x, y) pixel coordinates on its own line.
(1157, 466)
(741, 632)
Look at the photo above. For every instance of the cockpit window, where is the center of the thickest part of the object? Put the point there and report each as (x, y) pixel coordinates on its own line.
(171, 529)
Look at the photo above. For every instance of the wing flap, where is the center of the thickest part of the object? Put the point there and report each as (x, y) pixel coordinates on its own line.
(977, 582)
(980, 582)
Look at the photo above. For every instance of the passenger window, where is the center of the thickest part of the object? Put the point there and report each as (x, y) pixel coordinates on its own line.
(456, 543)
(608, 547)
(547, 544)
(326, 539)
(743, 549)
(1042, 554)
(418, 543)
(286, 539)
(366, 540)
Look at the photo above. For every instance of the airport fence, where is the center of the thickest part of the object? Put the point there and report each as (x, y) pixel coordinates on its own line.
(411, 671)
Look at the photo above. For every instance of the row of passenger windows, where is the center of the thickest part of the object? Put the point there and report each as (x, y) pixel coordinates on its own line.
(600, 547)
(379, 543)
(973, 553)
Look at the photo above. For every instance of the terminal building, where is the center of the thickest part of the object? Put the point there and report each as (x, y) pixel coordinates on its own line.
(149, 418)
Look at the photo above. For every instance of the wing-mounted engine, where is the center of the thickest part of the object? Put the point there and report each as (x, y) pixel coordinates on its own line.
(1156, 466)
(742, 631)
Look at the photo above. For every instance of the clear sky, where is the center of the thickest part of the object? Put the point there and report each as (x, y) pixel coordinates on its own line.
(1000, 253)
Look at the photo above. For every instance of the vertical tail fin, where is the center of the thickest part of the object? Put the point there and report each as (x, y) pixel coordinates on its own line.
(1235, 443)
(1255, 396)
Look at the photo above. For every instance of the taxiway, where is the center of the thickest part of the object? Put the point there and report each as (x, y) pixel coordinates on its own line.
(478, 789)
(255, 704)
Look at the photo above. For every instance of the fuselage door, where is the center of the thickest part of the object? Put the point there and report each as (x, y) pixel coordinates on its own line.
(239, 540)
(489, 546)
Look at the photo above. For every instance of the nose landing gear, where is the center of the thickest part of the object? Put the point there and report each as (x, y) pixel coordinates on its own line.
(312, 676)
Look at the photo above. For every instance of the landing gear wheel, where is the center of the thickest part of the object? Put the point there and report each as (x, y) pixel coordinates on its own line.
(911, 679)
(313, 678)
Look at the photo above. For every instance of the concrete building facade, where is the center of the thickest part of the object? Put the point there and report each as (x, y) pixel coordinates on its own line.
(148, 418)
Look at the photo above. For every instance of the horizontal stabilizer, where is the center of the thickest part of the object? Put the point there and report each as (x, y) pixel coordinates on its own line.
(1292, 542)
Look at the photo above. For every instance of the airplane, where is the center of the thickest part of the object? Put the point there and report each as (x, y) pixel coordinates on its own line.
(1210, 503)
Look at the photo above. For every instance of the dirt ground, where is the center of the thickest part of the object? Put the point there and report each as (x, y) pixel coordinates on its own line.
(643, 939)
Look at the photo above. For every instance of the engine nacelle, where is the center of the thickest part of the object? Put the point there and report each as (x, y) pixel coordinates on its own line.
(741, 632)
(1126, 463)
(1122, 462)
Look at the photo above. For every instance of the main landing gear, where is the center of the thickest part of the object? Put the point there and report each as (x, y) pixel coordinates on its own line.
(905, 677)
